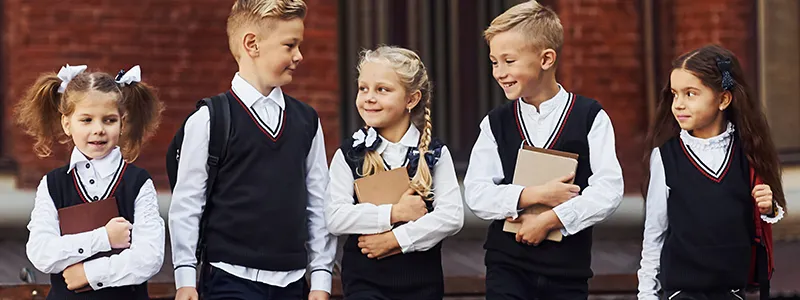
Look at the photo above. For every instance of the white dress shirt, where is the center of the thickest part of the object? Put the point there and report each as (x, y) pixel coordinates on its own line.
(188, 198)
(713, 153)
(344, 217)
(51, 253)
(490, 200)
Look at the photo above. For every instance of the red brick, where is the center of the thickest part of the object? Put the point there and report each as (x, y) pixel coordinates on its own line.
(180, 44)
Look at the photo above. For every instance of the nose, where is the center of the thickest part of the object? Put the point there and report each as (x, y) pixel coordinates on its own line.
(298, 57)
(499, 72)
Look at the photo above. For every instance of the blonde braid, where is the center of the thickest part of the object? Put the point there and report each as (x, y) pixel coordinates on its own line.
(423, 180)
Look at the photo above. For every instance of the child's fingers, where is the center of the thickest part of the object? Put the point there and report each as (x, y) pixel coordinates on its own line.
(764, 204)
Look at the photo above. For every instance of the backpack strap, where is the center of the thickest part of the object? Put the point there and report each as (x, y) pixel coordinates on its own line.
(219, 112)
(761, 263)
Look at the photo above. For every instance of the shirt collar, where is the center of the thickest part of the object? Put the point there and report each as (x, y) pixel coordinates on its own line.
(548, 105)
(104, 166)
(719, 141)
(410, 139)
(250, 95)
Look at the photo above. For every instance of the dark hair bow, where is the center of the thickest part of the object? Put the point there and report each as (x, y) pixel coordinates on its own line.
(724, 65)
(431, 158)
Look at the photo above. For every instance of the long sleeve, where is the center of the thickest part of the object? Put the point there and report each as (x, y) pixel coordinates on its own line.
(484, 194)
(144, 258)
(447, 217)
(344, 217)
(604, 193)
(47, 249)
(655, 228)
(321, 244)
(189, 199)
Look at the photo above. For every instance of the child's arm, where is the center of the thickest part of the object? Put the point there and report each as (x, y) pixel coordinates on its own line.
(189, 198)
(445, 220)
(484, 194)
(655, 228)
(321, 244)
(603, 195)
(144, 258)
(47, 249)
(344, 217)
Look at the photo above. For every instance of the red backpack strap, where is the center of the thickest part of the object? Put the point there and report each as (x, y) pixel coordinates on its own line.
(761, 262)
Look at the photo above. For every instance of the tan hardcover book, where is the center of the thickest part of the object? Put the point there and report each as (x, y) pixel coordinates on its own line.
(537, 166)
(87, 217)
(382, 188)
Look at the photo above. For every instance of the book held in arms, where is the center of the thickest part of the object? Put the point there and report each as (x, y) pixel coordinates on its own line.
(382, 188)
(87, 217)
(537, 166)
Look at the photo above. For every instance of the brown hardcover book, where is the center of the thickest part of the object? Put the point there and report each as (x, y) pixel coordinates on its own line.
(537, 166)
(87, 217)
(382, 188)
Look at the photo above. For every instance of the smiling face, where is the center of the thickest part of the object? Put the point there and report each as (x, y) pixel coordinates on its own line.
(382, 101)
(515, 64)
(94, 124)
(696, 107)
(277, 53)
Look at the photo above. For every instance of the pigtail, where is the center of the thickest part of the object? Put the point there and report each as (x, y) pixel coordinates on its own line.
(142, 116)
(39, 115)
(373, 163)
(422, 181)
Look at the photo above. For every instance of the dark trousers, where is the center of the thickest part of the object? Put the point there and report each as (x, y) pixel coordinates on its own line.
(218, 284)
(687, 295)
(506, 282)
(362, 290)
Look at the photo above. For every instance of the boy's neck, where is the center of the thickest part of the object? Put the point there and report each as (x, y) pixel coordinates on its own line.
(252, 79)
(547, 91)
(396, 132)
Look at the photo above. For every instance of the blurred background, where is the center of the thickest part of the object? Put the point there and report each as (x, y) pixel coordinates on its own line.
(615, 51)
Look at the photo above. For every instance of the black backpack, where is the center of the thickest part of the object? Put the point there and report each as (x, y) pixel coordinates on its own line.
(219, 111)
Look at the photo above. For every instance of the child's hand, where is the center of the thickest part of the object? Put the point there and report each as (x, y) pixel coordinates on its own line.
(534, 228)
(763, 195)
(119, 233)
(75, 277)
(379, 245)
(187, 293)
(410, 208)
(551, 194)
(318, 295)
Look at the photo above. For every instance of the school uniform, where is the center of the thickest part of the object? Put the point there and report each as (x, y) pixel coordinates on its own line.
(566, 122)
(417, 272)
(698, 246)
(266, 225)
(122, 276)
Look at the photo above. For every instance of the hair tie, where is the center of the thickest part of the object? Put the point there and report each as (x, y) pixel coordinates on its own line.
(134, 75)
(724, 66)
(366, 139)
(66, 74)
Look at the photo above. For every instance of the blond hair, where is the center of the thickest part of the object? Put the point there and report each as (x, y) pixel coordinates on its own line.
(39, 112)
(413, 77)
(246, 13)
(537, 22)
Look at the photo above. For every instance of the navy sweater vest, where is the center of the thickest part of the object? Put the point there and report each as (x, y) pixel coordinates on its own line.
(401, 271)
(708, 240)
(63, 189)
(572, 256)
(258, 205)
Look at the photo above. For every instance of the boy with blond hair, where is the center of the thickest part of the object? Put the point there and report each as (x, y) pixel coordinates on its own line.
(264, 225)
(524, 44)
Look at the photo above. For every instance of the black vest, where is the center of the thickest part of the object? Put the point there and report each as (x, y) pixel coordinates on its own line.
(257, 213)
(572, 256)
(63, 189)
(707, 246)
(401, 271)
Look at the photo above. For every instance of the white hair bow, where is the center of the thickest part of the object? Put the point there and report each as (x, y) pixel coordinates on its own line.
(131, 76)
(67, 73)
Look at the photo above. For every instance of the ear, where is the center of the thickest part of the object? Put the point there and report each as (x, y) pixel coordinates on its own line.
(414, 99)
(250, 44)
(725, 100)
(65, 125)
(548, 59)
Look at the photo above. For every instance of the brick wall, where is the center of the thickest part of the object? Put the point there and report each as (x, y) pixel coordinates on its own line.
(602, 58)
(181, 46)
